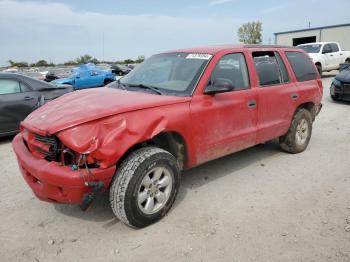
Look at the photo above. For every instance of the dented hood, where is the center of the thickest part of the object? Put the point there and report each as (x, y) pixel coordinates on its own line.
(83, 106)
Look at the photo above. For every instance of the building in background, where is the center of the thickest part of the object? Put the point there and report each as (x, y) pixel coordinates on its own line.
(333, 33)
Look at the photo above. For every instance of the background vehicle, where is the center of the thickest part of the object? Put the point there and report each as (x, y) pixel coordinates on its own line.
(173, 112)
(120, 70)
(20, 95)
(340, 88)
(56, 73)
(87, 76)
(327, 56)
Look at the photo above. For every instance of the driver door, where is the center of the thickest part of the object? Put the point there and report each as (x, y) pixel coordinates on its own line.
(225, 122)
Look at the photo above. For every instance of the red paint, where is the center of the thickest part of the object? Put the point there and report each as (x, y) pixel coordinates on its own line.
(105, 123)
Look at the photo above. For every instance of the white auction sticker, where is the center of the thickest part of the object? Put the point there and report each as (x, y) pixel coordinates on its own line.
(199, 56)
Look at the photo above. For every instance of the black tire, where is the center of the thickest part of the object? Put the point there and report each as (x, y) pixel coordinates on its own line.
(127, 181)
(319, 69)
(107, 81)
(289, 142)
(335, 98)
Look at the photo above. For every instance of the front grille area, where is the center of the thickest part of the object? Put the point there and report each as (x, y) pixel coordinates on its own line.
(346, 89)
(47, 147)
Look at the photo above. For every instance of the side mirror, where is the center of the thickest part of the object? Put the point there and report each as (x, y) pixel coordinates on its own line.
(219, 85)
(77, 76)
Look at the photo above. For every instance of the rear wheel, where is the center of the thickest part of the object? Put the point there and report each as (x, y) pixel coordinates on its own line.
(107, 81)
(319, 69)
(298, 136)
(145, 187)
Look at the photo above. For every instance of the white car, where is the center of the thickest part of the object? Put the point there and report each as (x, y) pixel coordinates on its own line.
(327, 56)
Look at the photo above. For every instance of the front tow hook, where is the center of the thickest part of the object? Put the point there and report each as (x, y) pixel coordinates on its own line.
(89, 197)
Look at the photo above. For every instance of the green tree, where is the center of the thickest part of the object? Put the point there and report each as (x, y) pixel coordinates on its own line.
(18, 64)
(42, 63)
(129, 61)
(140, 59)
(250, 33)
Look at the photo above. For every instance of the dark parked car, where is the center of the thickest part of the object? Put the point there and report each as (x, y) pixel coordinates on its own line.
(20, 95)
(120, 70)
(340, 88)
(54, 74)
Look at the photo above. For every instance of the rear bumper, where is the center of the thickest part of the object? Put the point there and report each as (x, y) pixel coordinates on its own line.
(52, 182)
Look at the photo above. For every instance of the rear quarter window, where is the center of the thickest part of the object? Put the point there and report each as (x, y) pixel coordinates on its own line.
(302, 66)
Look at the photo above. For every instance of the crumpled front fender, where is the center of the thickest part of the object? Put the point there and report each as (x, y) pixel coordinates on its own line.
(107, 139)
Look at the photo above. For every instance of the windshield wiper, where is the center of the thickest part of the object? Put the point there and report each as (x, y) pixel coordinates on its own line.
(154, 89)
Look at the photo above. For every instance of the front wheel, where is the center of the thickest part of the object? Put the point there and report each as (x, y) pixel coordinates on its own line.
(298, 136)
(319, 69)
(145, 187)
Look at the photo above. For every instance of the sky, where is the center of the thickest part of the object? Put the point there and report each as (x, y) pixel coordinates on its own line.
(62, 30)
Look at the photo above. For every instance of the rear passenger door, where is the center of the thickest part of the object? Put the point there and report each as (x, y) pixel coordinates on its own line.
(225, 122)
(276, 94)
(330, 57)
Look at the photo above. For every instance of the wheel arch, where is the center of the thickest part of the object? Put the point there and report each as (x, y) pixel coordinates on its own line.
(310, 106)
(170, 141)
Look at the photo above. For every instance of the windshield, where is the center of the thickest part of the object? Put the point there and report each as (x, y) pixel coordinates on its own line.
(311, 48)
(171, 73)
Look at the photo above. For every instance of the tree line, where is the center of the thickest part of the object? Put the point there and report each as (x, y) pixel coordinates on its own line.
(248, 33)
(78, 61)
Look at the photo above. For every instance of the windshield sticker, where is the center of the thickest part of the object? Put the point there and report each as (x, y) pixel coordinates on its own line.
(199, 56)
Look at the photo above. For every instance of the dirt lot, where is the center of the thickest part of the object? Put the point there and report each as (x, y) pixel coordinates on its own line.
(257, 205)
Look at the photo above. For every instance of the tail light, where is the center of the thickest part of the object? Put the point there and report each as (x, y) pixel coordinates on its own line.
(320, 85)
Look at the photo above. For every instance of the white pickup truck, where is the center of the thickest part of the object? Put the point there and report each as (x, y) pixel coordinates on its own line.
(327, 56)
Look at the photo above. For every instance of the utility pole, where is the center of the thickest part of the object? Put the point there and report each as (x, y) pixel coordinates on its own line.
(103, 46)
(309, 24)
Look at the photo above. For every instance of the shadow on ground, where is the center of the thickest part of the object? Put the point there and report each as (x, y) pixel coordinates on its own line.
(100, 210)
(6, 139)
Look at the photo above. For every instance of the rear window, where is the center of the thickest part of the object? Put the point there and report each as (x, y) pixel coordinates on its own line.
(302, 66)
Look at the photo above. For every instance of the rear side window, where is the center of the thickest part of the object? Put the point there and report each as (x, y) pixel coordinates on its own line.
(25, 88)
(8, 86)
(302, 66)
(334, 47)
(270, 68)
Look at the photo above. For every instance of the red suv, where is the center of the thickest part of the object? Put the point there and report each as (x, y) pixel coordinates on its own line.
(175, 111)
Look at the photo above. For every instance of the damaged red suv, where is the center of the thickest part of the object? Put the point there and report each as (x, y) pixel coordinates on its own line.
(175, 111)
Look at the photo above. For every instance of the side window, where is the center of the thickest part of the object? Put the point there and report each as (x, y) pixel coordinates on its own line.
(233, 68)
(334, 47)
(8, 86)
(326, 49)
(25, 88)
(268, 69)
(302, 66)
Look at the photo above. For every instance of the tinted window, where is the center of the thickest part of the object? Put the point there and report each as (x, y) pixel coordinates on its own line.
(282, 66)
(232, 68)
(334, 47)
(25, 88)
(267, 68)
(302, 66)
(8, 86)
(327, 49)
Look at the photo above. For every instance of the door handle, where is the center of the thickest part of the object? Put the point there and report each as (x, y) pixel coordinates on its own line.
(340, 54)
(251, 104)
(26, 98)
(330, 55)
(294, 96)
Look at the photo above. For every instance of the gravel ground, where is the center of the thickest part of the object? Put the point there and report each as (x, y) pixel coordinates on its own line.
(256, 205)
